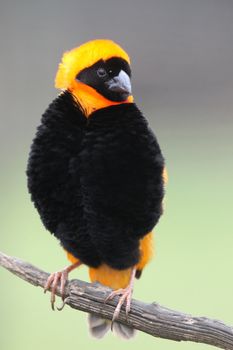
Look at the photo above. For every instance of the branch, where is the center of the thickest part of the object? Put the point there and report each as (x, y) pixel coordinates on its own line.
(153, 319)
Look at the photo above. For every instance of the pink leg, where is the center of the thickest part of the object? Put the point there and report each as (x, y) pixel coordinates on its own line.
(126, 295)
(56, 277)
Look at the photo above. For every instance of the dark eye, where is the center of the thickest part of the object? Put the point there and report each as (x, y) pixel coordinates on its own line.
(101, 72)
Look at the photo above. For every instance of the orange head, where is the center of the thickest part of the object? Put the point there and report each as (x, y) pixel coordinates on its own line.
(97, 73)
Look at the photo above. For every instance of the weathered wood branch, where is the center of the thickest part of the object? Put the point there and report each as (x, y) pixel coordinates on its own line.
(153, 319)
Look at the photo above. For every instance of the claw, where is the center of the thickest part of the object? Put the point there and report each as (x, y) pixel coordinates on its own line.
(125, 295)
(53, 282)
(57, 278)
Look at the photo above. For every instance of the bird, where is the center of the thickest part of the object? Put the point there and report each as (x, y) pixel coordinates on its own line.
(96, 175)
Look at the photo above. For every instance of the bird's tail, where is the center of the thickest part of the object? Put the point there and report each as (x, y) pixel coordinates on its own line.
(114, 279)
(99, 327)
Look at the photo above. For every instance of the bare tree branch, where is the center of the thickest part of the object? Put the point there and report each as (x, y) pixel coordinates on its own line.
(153, 319)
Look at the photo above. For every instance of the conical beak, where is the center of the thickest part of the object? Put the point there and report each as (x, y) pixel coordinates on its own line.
(121, 83)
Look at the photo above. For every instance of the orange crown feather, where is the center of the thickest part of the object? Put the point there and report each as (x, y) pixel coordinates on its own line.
(84, 56)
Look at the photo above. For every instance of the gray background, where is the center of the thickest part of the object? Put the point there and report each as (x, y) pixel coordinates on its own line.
(182, 62)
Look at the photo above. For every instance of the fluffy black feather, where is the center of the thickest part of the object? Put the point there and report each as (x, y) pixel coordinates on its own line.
(97, 182)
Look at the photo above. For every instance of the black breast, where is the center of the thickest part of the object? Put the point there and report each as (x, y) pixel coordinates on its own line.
(97, 182)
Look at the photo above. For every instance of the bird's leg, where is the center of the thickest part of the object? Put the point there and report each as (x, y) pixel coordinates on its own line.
(126, 295)
(56, 277)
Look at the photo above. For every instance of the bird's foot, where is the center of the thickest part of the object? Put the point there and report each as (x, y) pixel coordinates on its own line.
(53, 281)
(125, 296)
(56, 278)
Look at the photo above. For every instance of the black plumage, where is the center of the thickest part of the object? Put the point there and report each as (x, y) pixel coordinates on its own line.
(96, 182)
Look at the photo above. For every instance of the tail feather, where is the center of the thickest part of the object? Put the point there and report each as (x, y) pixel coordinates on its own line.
(123, 331)
(98, 327)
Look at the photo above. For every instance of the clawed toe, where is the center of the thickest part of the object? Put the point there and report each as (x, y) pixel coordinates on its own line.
(125, 296)
(53, 282)
(56, 279)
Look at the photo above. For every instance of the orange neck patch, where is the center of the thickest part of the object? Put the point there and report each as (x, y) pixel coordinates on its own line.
(90, 99)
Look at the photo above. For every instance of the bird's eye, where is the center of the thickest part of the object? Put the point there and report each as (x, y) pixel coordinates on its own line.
(101, 72)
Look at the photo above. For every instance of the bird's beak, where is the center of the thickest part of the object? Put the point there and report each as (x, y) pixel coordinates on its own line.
(121, 83)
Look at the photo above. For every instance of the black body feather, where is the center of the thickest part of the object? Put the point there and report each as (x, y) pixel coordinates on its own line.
(97, 183)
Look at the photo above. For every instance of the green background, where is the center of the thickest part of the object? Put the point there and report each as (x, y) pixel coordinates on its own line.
(182, 64)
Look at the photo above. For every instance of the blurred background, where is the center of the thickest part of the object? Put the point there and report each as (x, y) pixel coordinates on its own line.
(182, 61)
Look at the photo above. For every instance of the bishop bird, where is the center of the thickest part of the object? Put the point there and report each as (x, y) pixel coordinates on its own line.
(96, 174)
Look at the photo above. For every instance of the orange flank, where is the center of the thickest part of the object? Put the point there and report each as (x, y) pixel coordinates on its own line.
(165, 176)
(71, 258)
(116, 279)
(146, 251)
